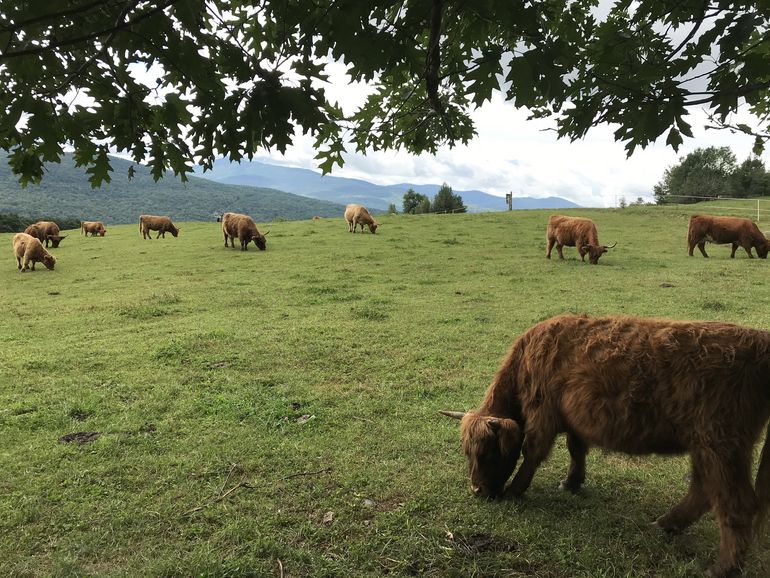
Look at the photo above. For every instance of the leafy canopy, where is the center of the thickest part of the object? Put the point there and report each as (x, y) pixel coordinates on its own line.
(178, 82)
(709, 173)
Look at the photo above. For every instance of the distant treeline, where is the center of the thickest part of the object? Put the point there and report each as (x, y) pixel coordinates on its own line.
(13, 223)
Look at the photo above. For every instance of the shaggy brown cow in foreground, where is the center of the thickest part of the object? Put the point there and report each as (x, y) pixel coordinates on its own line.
(359, 215)
(45, 231)
(726, 230)
(638, 386)
(243, 227)
(29, 249)
(93, 227)
(575, 232)
(163, 225)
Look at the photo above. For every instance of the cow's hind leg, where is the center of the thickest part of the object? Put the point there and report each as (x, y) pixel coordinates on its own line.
(576, 474)
(727, 483)
(702, 248)
(692, 506)
(548, 248)
(537, 444)
(559, 251)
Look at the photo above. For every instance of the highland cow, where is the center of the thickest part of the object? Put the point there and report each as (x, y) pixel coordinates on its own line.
(638, 386)
(359, 215)
(29, 250)
(93, 227)
(243, 227)
(163, 225)
(46, 231)
(575, 232)
(733, 231)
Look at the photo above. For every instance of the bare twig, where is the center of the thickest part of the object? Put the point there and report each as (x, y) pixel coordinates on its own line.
(298, 474)
(220, 498)
(280, 568)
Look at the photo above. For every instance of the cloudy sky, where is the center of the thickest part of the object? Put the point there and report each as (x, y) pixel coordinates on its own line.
(511, 153)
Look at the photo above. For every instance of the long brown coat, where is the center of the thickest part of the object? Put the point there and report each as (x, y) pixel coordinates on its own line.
(638, 386)
(46, 231)
(163, 225)
(574, 232)
(93, 227)
(28, 250)
(359, 215)
(243, 227)
(733, 231)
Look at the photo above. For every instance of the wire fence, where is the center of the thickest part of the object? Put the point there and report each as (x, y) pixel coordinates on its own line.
(758, 209)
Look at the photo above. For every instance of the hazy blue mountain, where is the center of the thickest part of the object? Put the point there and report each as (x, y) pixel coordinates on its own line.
(65, 192)
(344, 190)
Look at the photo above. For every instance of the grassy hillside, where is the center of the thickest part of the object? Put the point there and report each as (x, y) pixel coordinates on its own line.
(65, 192)
(279, 408)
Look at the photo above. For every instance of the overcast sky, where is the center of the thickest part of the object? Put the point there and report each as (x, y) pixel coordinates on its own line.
(511, 153)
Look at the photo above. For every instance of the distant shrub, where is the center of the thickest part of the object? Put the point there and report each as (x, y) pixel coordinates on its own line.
(13, 223)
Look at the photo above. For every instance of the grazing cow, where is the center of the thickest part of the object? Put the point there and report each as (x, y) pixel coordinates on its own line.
(726, 230)
(316, 218)
(359, 215)
(575, 232)
(638, 386)
(149, 223)
(243, 227)
(29, 249)
(93, 227)
(45, 231)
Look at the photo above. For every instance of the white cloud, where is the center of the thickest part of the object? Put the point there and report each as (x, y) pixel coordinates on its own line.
(514, 154)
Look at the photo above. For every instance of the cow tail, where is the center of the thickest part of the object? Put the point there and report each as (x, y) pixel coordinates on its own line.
(762, 484)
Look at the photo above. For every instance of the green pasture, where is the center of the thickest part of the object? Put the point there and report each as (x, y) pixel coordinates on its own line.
(277, 412)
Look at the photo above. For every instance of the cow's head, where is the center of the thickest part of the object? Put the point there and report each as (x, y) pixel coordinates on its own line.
(763, 249)
(174, 231)
(492, 446)
(596, 251)
(373, 227)
(55, 240)
(49, 261)
(102, 232)
(260, 241)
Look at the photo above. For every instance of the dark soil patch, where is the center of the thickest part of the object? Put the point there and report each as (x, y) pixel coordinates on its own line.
(82, 437)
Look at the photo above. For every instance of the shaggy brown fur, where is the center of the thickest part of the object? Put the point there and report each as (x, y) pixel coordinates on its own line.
(638, 386)
(93, 227)
(163, 225)
(243, 227)
(45, 231)
(29, 249)
(574, 232)
(726, 230)
(359, 215)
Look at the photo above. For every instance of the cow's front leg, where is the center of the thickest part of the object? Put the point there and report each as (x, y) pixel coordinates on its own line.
(535, 450)
(576, 474)
(748, 251)
(734, 249)
(693, 505)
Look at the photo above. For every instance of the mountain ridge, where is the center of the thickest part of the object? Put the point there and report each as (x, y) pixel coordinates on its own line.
(66, 192)
(345, 190)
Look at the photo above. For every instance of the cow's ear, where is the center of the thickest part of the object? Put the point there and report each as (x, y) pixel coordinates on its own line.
(585, 248)
(62, 236)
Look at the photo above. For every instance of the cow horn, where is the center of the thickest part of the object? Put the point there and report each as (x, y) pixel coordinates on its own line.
(454, 414)
(611, 246)
(266, 234)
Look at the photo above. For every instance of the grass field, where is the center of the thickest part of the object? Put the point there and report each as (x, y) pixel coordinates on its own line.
(279, 408)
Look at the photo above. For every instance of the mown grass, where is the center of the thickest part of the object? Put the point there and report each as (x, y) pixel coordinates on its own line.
(308, 377)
